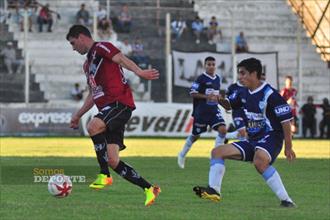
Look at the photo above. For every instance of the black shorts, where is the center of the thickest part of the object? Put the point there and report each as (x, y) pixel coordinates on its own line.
(115, 116)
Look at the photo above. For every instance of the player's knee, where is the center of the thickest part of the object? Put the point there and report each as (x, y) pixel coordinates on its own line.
(94, 128)
(260, 164)
(216, 152)
(194, 138)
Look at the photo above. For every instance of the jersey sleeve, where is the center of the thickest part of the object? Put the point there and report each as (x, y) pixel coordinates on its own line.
(106, 50)
(196, 86)
(280, 107)
(235, 100)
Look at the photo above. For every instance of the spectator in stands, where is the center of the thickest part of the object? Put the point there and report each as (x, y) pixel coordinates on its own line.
(101, 14)
(82, 16)
(197, 28)
(104, 29)
(138, 54)
(177, 28)
(308, 111)
(125, 19)
(290, 95)
(45, 17)
(10, 59)
(241, 43)
(77, 93)
(325, 122)
(213, 30)
(126, 48)
(25, 7)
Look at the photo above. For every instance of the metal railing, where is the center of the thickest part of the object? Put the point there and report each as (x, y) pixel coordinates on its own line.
(315, 17)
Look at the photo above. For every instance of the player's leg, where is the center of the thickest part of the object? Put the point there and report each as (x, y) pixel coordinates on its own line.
(96, 128)
(198, 128)
(218, 123)
(217, 170)
(115, 137)
(130, 174)
(266, 152)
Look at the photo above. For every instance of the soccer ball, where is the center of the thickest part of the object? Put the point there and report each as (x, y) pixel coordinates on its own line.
(59, 186)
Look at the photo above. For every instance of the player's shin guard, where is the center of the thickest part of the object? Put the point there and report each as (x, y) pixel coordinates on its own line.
(189, 142)
(216, 173)
(128, 173)
(219, 140)
(274, 181)
(100, 146)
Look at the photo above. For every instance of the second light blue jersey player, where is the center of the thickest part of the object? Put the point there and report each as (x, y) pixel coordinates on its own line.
(206, 112)
(205, 92)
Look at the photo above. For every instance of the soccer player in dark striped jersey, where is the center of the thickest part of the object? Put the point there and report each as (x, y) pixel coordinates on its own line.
(110, 92)
(205, 92)
(268, 123)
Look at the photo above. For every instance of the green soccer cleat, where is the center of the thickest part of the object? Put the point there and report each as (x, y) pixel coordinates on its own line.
(101, 181)
(207, 193)
(151, 195)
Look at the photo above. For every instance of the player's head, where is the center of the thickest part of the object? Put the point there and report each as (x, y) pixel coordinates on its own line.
(288, 81)
(249, 70)
(80, 38)
(209, 64)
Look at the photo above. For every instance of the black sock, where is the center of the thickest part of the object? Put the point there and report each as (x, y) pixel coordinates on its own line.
(100, 146)
(131, 175)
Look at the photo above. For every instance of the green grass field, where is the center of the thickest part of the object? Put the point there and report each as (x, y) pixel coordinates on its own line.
(245, 195)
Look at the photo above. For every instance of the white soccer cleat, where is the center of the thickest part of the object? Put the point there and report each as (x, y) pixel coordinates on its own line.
(181, 161)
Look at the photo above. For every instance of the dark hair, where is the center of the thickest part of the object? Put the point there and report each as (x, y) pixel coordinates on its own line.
(251, 64)
(77, 29)
(209, 59)
(289, 77)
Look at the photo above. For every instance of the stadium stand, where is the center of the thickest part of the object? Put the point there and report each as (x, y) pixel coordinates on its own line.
(12, 86)
(272, 26)
(268, 26)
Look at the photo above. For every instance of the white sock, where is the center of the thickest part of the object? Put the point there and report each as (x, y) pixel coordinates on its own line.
(274, 181)
(189, 142)
(232, 135)
(217, 170)
(219, 140)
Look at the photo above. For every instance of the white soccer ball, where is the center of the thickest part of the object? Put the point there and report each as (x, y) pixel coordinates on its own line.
(59, 185)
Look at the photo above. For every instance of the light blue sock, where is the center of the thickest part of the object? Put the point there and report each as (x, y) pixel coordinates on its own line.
(217, 170)
(189, 142)
(274, 181)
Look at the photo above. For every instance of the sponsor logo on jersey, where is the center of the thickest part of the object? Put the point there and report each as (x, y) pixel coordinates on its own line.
(282, 110)
(194, 86)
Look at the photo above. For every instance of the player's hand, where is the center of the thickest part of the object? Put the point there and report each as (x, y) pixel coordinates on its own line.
(212, 98)
(290, 154)
(149, 74)
(74, 123)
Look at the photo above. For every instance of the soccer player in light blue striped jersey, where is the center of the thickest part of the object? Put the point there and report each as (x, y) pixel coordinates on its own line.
(205, 92)
(268, 123)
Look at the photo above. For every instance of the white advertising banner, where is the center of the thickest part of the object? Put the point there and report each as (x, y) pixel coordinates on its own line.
(159, 119)
(188, 65)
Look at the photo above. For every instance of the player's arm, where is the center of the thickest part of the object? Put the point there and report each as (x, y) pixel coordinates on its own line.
(88, 104)
(224, 103)
(288, 151)
(125, 62)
